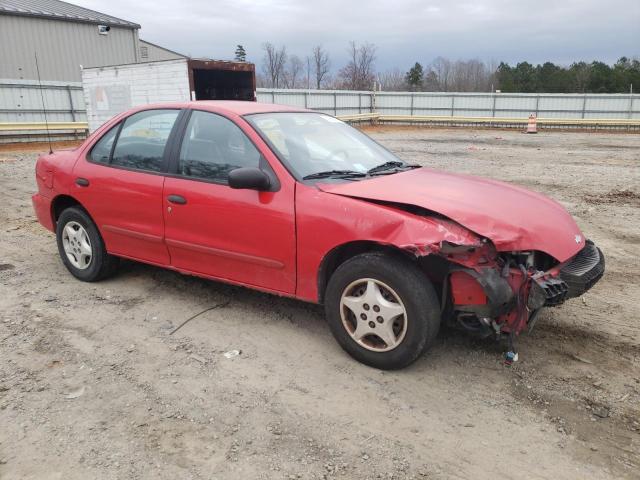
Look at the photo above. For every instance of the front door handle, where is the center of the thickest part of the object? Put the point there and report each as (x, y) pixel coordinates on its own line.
(179, 199)
(82, 182)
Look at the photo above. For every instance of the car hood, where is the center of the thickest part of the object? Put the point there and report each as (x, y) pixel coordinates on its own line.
(513, 218)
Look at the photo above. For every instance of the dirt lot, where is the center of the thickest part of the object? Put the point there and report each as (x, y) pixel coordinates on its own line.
(92, 384)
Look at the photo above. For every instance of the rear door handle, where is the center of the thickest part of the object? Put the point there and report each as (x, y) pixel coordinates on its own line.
(82, 182)
(179, 199)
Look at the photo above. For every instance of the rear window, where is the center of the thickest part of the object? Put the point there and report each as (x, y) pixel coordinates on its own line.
(142, 140)
(101, 151)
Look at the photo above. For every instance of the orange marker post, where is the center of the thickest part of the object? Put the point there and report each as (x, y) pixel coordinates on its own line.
(532, 126)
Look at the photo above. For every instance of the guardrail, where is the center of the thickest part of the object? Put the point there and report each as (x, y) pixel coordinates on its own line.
(29, 128)
(42, 126)
(359, 117)
(504, 122)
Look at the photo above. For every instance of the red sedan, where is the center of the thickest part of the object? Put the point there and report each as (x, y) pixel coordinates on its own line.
(298, 203)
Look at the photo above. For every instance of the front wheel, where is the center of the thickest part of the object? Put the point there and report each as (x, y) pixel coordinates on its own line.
(382, 310)
(81, 247)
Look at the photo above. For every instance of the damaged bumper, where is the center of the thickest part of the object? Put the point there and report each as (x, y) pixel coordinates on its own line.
(505, 299)
(569, 280)
(584, 270)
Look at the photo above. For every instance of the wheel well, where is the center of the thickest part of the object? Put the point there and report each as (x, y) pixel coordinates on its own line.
(60, 204)
(342, 253)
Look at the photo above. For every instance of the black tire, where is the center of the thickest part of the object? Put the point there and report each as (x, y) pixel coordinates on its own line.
(414, 290)
(101, 264)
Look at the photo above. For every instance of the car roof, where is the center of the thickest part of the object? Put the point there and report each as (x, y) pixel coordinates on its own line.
(236, 107)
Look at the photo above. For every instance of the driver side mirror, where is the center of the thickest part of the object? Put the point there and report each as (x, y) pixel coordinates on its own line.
(250, 178)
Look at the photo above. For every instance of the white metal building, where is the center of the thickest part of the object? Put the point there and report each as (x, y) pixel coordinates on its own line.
(66, 37)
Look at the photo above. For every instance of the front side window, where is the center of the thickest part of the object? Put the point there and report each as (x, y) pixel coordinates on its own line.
(102, 149)
(213, 146)
(142, 140)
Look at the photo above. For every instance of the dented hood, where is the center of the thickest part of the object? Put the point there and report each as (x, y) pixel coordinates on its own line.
(513, 218)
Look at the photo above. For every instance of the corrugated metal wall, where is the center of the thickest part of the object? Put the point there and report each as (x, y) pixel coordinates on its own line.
(334, 102)
(61, 46)
(21, 101)
(499, 105)
(153, 53)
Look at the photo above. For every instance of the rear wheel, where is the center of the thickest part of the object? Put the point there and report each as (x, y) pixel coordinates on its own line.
(382, 310)
(81, 247)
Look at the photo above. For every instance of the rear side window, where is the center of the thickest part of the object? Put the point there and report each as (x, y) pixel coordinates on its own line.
(102, 149)
(142, 140)
(213, 146)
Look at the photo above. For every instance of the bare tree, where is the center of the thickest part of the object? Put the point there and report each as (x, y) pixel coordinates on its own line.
(261, 80)
(307, 79)
(359, 74)
(469, 76)
(294, 72)
(460, 76)
(321, 64)
(492, 75)
(348, 75)
(393, 80)
(273, 65)
(441, 67)
(431, 81)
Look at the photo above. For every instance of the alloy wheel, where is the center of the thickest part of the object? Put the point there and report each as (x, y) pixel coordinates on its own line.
(373, 314)
(77, 245)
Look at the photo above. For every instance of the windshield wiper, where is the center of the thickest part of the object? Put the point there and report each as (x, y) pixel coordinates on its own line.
(392, 165)
(334, 173)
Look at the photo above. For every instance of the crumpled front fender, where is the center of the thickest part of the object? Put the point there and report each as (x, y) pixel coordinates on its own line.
(325, 221)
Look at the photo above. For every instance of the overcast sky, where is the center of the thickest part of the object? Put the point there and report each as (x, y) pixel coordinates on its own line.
(405, 31)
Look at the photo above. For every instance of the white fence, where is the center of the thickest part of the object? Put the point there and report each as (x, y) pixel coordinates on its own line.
(21, 102)
(496, 105)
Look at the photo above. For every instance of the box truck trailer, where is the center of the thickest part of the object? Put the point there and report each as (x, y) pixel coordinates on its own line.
(109, 90)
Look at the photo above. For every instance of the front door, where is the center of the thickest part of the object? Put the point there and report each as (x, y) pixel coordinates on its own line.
(120, 184)
(243, 236)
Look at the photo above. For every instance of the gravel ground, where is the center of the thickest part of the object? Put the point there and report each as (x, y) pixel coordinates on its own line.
(94, 385)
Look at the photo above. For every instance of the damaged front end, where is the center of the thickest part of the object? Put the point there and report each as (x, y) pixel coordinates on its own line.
(486, 292)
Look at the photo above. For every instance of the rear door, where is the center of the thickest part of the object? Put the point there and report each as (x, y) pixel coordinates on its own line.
(244, 236)
(120, 183)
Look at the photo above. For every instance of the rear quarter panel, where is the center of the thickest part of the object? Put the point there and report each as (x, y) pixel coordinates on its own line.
(53, 173)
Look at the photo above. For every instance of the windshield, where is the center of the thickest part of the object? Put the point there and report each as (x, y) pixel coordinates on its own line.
(319, 146)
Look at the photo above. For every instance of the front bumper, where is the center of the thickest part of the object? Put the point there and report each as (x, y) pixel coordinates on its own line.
(509, 299)
(568, 280)
(583, 271)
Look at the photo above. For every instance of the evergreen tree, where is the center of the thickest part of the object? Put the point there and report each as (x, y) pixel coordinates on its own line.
(505, 78)
(241, 55)
(415, 77)
(525, 77)
(579, 77)
(626, 72)
(552, 78)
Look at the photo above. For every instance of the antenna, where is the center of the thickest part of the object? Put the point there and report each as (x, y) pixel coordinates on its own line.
(44, 108)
